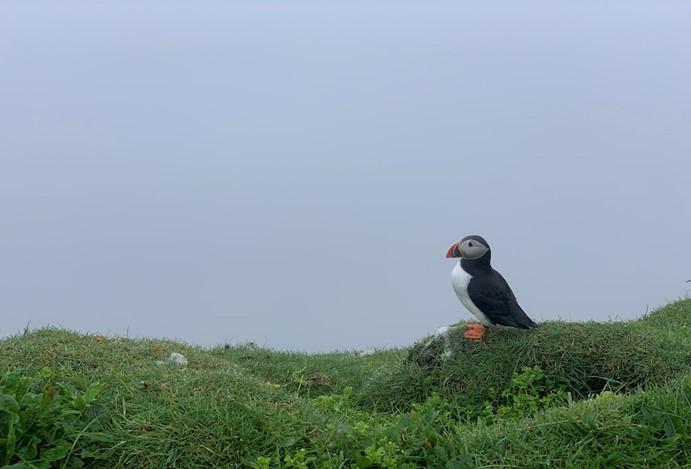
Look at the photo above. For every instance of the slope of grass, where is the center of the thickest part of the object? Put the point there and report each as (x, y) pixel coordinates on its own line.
(312, 375)
(587, 357)
(650, 428)
(155, 414)
(402, 408)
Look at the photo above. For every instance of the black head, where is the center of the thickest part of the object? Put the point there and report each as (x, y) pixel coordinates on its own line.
(474, 252)
(471, 247)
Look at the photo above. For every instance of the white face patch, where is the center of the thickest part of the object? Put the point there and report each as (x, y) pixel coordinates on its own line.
(472, 249)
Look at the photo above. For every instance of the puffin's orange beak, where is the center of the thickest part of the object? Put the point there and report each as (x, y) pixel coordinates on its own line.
(454, 251)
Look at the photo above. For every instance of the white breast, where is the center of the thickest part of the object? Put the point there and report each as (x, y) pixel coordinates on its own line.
(459, 280)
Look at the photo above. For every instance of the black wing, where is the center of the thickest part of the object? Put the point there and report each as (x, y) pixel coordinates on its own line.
(493, 296)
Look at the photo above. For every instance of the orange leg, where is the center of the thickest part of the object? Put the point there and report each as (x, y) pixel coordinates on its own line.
(475, 331)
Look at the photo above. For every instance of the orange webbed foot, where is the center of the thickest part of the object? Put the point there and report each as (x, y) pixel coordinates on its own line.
(475, 331)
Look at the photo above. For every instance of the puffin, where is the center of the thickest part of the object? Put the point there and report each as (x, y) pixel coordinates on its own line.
(482, 290)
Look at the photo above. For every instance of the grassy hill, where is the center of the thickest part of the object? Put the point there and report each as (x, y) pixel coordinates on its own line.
(564, 395)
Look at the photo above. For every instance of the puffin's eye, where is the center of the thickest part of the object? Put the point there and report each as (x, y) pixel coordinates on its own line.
(470, 244)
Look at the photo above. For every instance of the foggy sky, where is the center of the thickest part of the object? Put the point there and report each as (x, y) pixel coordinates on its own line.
(293, 173)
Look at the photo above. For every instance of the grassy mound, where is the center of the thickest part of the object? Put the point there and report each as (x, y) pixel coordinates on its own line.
(586, 357)
(72, 400)
(154, 414)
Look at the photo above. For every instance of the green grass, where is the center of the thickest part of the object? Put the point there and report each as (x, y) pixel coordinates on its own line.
(311, 375)
(412, 407)
(589, 357)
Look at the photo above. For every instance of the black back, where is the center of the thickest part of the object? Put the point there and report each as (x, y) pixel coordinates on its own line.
(492, 295)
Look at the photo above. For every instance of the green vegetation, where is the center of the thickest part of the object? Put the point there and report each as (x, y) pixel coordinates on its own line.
(564, 395)
(43, 421)
(586, 357)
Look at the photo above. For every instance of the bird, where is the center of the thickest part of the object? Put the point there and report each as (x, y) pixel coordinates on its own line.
(483, 290)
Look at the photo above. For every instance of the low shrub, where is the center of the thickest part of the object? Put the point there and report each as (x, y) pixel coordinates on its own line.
(43, 422)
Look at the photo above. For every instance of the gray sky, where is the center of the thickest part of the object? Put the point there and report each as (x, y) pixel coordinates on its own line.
(293, 173)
